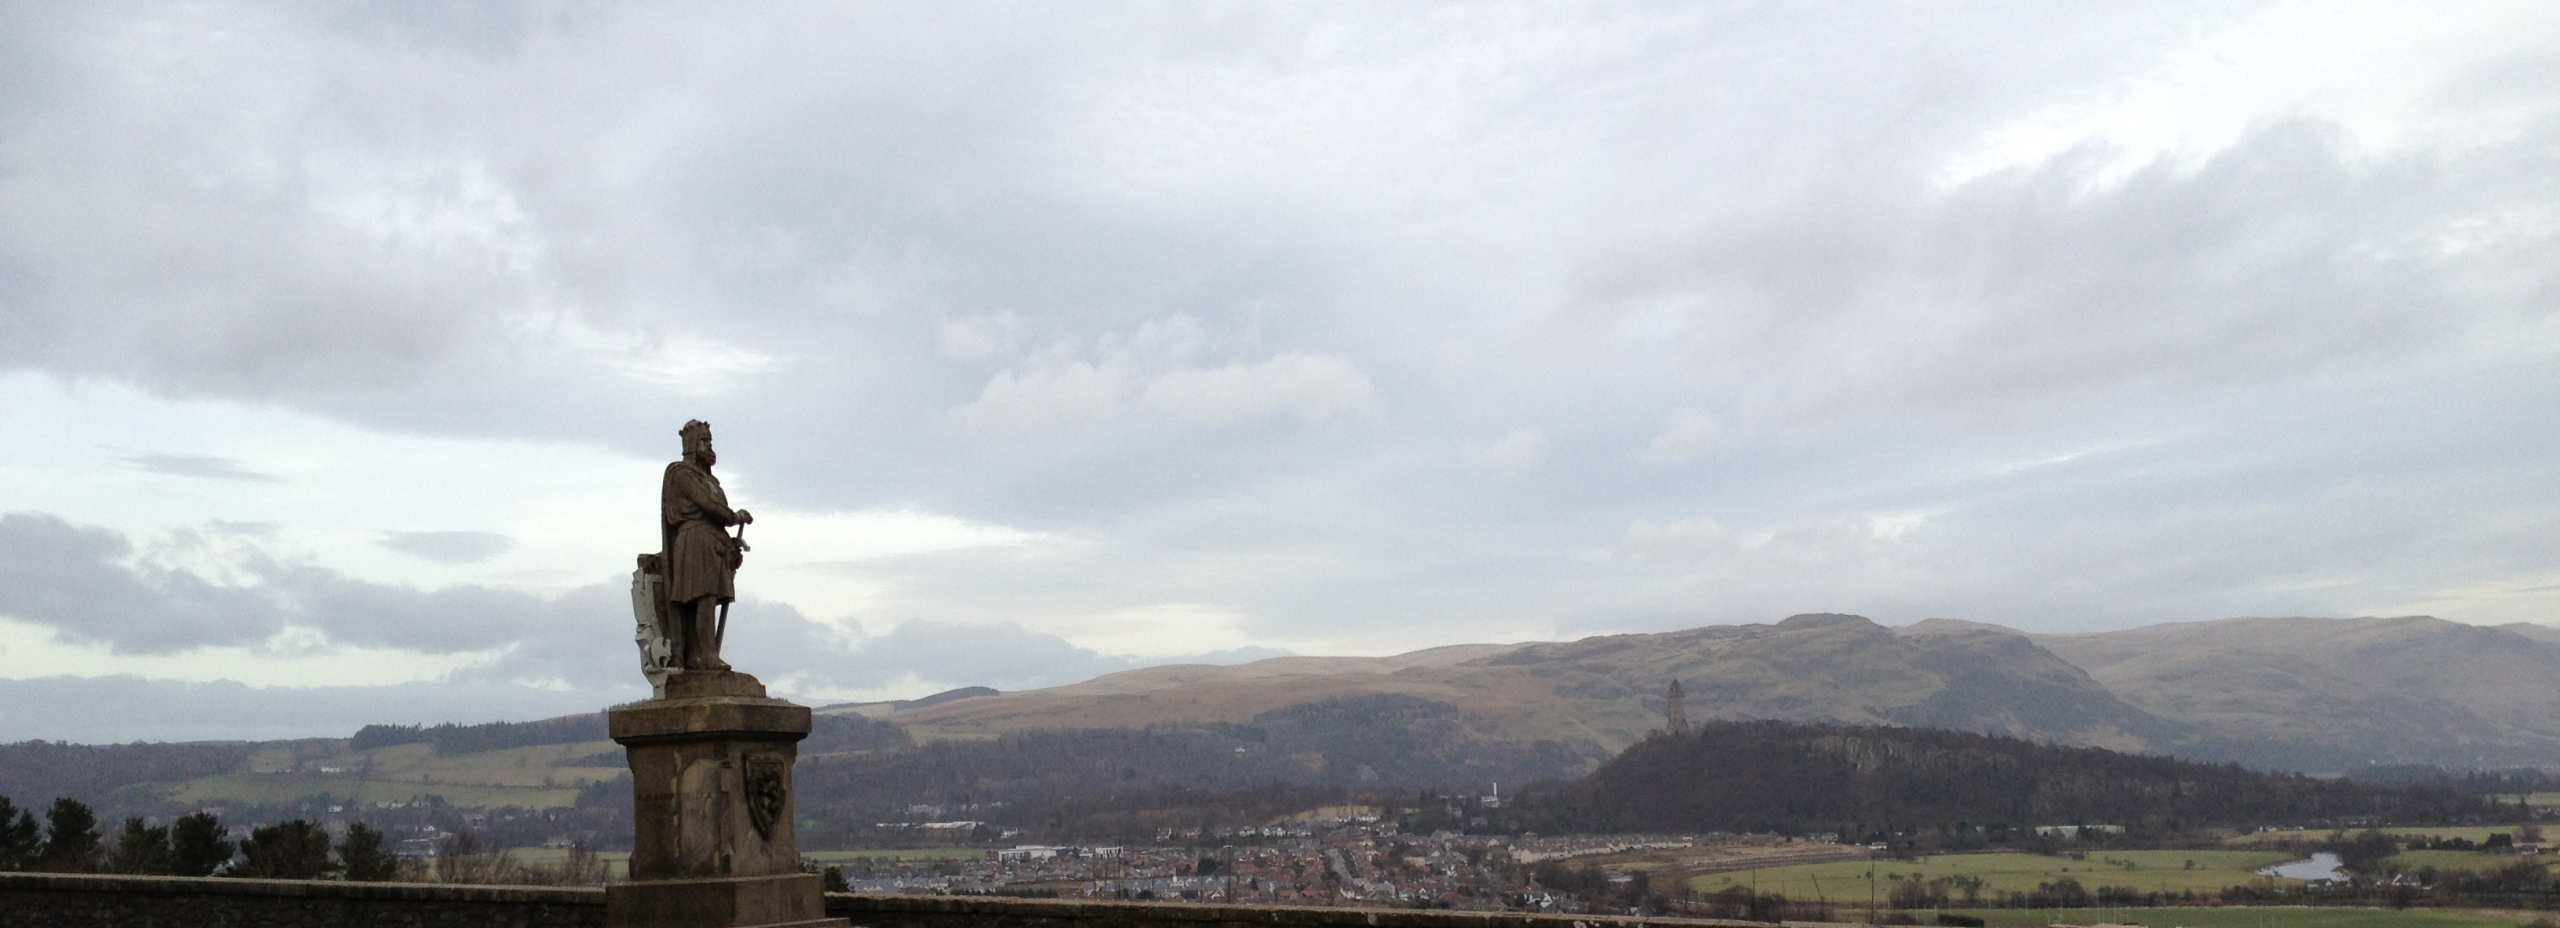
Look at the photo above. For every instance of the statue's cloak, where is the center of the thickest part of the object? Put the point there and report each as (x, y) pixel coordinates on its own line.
(693, 512)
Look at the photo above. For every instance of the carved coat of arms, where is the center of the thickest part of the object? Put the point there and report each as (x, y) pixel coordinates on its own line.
(765, 793)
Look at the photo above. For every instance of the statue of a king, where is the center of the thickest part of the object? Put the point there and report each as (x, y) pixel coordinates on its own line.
(700, 557)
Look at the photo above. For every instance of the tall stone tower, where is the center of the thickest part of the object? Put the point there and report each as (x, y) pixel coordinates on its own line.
(1677, 714)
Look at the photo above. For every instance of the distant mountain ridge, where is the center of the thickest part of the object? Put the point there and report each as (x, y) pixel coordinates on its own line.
(2332, 694)
(2317, 695)
(2297, 694)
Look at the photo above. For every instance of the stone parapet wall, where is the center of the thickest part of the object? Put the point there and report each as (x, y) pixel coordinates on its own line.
(61, 900)
(56, 900)
(899, 911)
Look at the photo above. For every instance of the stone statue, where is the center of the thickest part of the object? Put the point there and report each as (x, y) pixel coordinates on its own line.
(700, 556)
(713, 839)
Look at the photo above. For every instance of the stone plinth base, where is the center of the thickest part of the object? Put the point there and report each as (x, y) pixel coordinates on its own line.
(711, 779)
(791, 900)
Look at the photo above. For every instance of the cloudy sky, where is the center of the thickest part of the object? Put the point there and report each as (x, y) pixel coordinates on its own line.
(345, 343)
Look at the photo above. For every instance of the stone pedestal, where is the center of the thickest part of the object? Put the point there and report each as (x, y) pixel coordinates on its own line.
(711, 772)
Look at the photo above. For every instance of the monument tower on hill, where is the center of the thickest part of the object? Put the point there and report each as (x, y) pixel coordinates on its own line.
(1675, 712)
(711, 754)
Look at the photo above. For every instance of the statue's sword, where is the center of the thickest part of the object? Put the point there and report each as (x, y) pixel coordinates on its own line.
(720, 634)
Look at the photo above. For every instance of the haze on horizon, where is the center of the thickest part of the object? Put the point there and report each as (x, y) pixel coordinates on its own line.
(1051, 340)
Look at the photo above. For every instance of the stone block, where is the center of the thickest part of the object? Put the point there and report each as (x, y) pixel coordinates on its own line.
(761, 901)
(713, 826)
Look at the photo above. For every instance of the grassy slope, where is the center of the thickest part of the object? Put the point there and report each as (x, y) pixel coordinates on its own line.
(2473, 861)
(617, 863)
(537, 777)
(1605, 691)
(2410, 688)
(2149, 871)
(2272, 691)
(275, 789)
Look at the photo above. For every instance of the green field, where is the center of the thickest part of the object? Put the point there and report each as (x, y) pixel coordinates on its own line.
(538, 777)
(2473, 833)
(284, 788)
(617, 863)
(2148, 871)
(2274, 916)
(2473, 861)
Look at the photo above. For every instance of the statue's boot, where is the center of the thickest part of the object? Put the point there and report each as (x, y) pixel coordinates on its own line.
(706, 637)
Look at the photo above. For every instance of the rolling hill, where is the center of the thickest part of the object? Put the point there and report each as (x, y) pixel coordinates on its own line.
(2312, 695)
(2334, 694)
(1603, 693)
(2319, 695)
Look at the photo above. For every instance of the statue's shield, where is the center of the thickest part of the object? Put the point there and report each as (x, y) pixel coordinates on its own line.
(657, 654)
(765, 793)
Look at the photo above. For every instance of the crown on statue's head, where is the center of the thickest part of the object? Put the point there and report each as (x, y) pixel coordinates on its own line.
(697, 434)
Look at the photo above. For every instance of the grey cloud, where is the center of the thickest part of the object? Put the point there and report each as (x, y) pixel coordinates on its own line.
(2035, 288)
(581, 638)
(124, 708)
(486, 30)
(2344, 551)
(1002, 655)
(78, 582)
(114, 709)
(437, 621)
(2202, 523)
(73, 580)
(378, 260)
(197, 465)
(448, 547)
(1149, 370)
(1288, 564)
(86, 584)
(1697, 249)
